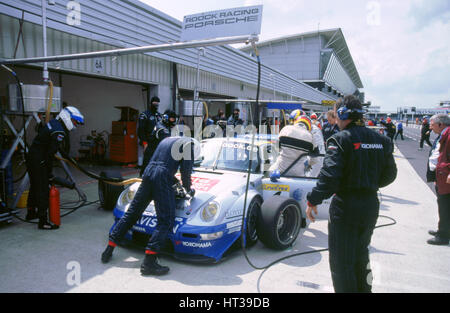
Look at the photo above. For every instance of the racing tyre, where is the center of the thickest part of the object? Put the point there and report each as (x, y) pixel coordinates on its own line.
(253, 212)
(107, 193)
(279, 222)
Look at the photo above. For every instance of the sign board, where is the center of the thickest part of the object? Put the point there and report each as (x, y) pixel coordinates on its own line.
(328, 102)
(223, 23)
(99, 66)
(284, 106)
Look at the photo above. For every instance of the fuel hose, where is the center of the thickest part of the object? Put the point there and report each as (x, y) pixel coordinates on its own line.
(243, 227)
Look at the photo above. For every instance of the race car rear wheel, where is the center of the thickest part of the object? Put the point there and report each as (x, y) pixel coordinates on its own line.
(107, 193)
(279, 222)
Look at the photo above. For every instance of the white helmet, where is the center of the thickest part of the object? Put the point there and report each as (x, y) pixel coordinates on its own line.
(71, 117)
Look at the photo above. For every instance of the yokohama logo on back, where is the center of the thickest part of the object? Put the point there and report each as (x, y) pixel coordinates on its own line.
(367, 146)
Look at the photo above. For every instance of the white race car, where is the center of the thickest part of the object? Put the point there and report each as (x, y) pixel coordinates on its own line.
(208, 225)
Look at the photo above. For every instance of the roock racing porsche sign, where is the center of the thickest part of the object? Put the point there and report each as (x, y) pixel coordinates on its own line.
(223, 23)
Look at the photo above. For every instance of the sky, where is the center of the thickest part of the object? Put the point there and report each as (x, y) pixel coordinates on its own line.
(401, 48)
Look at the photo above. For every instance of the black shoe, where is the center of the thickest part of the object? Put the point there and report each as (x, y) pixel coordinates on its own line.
(47, 226)
(31, 215)
(107, 254)
(438, 241)
(433, 233)
(150, 266)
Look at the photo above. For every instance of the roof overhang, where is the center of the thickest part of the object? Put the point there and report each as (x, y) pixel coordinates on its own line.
(334, 39)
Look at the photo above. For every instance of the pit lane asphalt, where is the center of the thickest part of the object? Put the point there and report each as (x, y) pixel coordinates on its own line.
(402, 261)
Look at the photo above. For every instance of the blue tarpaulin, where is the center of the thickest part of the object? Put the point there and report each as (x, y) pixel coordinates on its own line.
(284, 106)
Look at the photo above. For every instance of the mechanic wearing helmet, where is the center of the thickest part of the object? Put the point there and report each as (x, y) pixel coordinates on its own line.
(50, 139)
(314, 165)
(157, 184)
(146, 124)
(358, 162)
(315, 120)
(296, 143)
(161, 131)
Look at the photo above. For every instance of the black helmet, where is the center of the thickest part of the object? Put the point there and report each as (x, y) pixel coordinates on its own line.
(154, 107)
(168, 114)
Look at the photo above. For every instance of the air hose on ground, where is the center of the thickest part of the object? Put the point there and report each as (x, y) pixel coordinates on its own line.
(81, 201)
(243, 228)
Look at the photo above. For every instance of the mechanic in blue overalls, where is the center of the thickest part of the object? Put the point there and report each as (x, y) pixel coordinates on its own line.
(157, 184)
(50, 139)
(146, 124)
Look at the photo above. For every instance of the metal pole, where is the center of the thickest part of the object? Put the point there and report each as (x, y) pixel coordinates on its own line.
(44, 38)
(134, 50)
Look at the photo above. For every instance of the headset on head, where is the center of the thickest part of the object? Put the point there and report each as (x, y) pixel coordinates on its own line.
(345, 113)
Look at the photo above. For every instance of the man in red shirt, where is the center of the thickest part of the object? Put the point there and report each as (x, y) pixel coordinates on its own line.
(439, 172)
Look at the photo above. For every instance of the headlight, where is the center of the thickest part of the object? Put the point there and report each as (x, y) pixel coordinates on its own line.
(128, 194)
(212, 236)
(210, 211)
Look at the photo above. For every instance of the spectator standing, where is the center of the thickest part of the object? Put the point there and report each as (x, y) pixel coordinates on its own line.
(439, 172)
(399, 130)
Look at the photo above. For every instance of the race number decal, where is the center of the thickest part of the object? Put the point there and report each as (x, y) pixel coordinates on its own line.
(202, 184)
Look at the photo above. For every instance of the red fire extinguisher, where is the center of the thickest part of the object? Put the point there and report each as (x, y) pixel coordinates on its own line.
(55, 214)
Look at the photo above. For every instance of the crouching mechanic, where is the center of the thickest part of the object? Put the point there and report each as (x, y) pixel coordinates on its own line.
(51, 138)
(296, 144)
(157, 184)
(358, 162)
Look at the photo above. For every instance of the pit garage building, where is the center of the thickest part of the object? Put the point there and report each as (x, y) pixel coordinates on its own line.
(320, 59)
(97, 86)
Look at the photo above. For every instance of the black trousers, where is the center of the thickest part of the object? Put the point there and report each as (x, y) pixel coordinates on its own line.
(352, 221)
(425, 138)
(148, 153)
(444, 215)
(399, 132)
(38, 172)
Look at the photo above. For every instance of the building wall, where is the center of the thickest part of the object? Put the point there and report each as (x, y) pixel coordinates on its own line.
(298, 58)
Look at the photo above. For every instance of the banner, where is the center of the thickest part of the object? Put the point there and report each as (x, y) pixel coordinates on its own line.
(223, 23)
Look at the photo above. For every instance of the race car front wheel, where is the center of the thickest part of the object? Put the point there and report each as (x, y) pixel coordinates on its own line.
(253, 213)
(279, 222)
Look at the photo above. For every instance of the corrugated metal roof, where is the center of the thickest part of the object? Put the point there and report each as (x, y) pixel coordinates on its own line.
(335, 40)
(129, 23)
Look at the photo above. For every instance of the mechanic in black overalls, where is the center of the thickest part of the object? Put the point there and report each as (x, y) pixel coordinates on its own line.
(157, 184)
(51, 138)
(146, 124)
(161, 131)
(358, 162)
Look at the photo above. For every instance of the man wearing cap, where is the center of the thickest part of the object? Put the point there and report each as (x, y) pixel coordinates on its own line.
(146, 124)
(358, 162)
